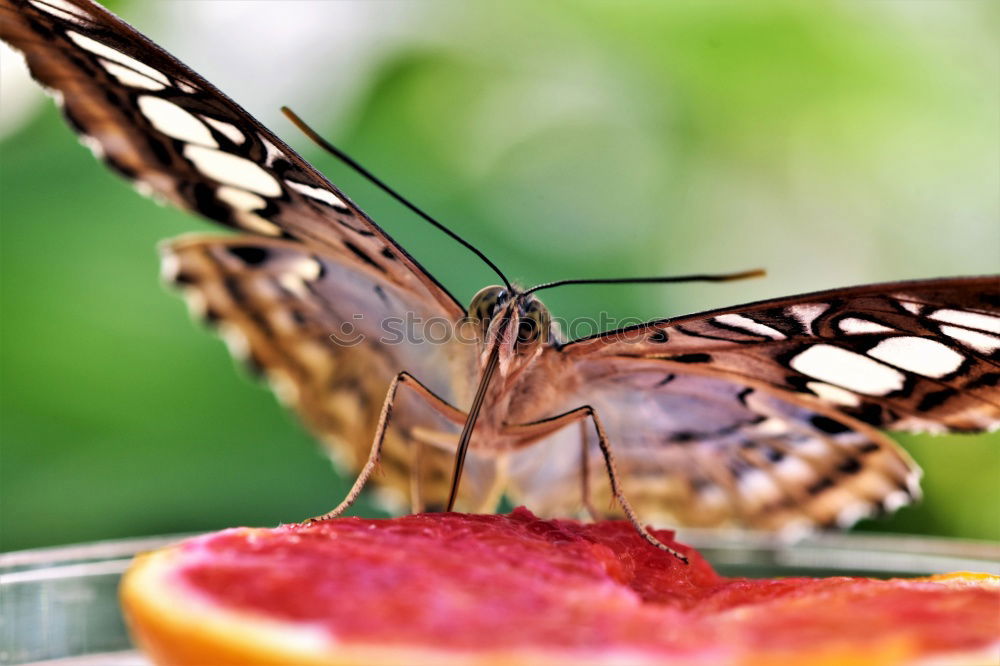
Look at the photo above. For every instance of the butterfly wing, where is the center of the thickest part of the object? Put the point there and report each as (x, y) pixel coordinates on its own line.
(329, 338)
(178, 138)
(769, 414)
(315, 260)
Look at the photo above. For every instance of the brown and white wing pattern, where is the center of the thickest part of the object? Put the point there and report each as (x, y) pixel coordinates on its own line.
(768, 414)
(329, 338)
(313, 260)
(178, 138)
(913, 356)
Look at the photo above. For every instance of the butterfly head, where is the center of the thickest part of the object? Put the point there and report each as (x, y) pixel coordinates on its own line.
(519, 323)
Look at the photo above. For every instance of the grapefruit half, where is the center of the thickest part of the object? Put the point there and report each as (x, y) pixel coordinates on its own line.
(450, 589)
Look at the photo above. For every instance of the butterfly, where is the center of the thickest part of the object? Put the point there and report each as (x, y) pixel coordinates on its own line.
(767, 415)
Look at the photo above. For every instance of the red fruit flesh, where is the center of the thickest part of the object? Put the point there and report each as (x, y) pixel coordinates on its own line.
(484, 582)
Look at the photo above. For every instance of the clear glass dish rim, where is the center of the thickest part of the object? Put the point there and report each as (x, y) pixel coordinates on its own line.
(868, 551)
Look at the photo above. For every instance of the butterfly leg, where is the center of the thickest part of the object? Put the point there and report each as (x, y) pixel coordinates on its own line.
(416, 492)
(402, 379)
(543, 427)
(585, 473)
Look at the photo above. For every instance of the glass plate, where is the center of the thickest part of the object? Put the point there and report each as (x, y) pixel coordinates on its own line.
(59, 606)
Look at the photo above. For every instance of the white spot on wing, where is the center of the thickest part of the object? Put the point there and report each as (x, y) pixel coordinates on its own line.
(834, 394)
(272, 152)
(145, 189)
(758, 487)
(227, 130)
(812, 448)
(981, 342)
(771, 426)
(317, 193)
(806, 313)
(302, 271)
(60, 9)
(195, 302)
(794, 471)
(170, 266)
(130, 77)
(976, 320)
(93, 145)
(239, 199)
(232, 170)
(293, 283)
(921, 355)
(307, 268)
(174, 121)
(284, 388)
(912, 308)
(257, 224)
(854, 512)
(235, 340)
(895, 500)
(856, 326)
(712, 498)
(848, 370)
(104, 51)
(749, 325)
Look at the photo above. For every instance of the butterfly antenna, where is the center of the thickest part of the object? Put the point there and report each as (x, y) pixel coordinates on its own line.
(349, 161)
(701, 277)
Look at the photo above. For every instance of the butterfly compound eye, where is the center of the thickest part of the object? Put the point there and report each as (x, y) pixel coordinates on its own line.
(534, 323)
(486, 303)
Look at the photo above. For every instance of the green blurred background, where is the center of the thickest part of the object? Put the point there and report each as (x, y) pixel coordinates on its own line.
(833, 143)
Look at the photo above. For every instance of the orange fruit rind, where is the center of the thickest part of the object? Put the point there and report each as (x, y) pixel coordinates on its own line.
(454, 590)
